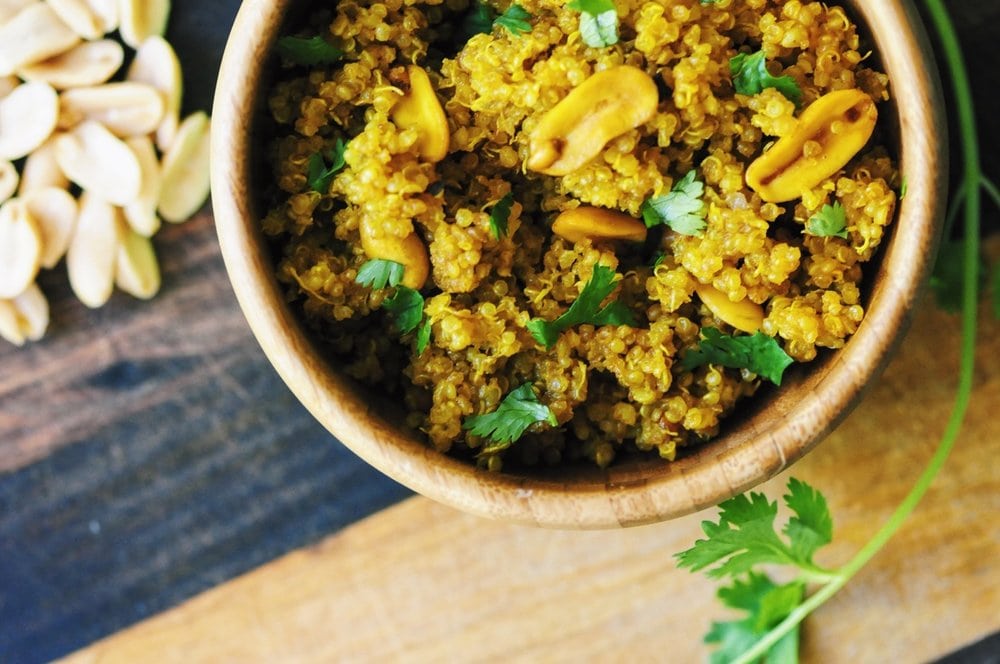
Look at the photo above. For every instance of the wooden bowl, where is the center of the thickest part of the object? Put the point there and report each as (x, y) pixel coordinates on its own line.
(778, 426)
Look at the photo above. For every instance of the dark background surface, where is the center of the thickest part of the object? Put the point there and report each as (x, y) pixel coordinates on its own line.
(149, 452)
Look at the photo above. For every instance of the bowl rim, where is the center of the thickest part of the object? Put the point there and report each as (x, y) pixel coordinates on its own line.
(796, 419)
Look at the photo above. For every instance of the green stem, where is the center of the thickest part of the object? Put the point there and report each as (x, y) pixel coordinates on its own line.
(991, 189)
(972, 181)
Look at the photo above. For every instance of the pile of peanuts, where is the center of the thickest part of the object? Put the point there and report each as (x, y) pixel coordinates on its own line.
(88, 167)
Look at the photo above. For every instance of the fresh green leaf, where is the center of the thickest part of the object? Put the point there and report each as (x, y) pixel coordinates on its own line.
(759, 354)
(683, 209)
(479, 20)
(378, 273)
(499, 216)
(518, 411)
(423, 335)
(324, 166)
(745, 537)
(515, 19)
(830, 221)
(586, 309)
(407, 307)
(310, 51)
(751, 77)
(598, 22)
(767, 605)
(812, 525)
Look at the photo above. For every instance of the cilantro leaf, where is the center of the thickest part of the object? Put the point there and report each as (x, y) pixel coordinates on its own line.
(812, 525)
(500, 214)
(479, 20)
(830, 221)
(598, 22)
(759, 353)
(518, 411)
(767, 604)
(683, 209)
(586, 309)
(515, 19)
(423, 336)
(310, 51)
(320, 174)
(751, 77)
(745, 536)
(407, 307)
(378, 273)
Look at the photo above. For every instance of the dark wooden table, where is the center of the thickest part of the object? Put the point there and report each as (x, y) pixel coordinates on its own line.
(148, 452)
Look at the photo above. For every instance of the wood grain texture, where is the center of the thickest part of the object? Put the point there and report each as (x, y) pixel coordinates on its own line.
(423, 583)
(777, 429)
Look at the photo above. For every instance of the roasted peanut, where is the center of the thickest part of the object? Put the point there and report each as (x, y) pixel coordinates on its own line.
(99, 162)
(136, 270)
(829, 133)
(409, 251)
(79, 16)
(20, 248)
(141, 19)
(93, 251)
(33, 34)
(28, 116)
(141, 213)
(90, 63)
(185, 183)
(25, 317)
(41, 169)
(595, 223)
(606, 105)
(744, 315)
(420, 109)
(156, 64)
(54, 211)
(127, 109)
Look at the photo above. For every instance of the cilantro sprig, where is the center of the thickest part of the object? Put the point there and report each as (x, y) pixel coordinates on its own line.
(481, 19)
(683, 209)
(323, 166)
(515, 20)
(830, 221)
(585, 309)
(518, 411)
(751, 77)
(598, 22)
(406, 305)
(758, 353)
(308, 51)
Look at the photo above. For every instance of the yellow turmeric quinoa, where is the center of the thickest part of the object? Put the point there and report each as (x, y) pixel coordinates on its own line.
(429, 190)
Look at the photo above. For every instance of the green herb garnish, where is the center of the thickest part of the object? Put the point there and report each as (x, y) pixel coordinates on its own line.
(751, 647)
(310, 51)
(830, 221)
(423, 335)
(515, 19)
(598, 22)
(518, 411)
(378, 273)
(683, 209)
(323, 166)
(586, 309)
(758, 353)
(751, 77)
(500, 215)
(407, 307)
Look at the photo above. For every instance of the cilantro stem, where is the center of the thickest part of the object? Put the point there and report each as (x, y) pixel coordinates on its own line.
(973, 182)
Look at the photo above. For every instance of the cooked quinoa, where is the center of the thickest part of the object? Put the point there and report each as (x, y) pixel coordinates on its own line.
(612, 388)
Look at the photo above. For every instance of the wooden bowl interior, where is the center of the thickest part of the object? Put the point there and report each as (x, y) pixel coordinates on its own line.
(778, 428)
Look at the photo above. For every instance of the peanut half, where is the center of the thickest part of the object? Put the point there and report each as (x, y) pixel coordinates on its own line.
(100, 163)
(79, 16)
(745, 315)
(41, 169)
(54, 211)
(28, 116)
(11, 8)
(409, 251)
(595, 224)
(829, 133)
(93, 252)
(20, 249)
(34, 34)
(185, 182)
(603, 107)
(141, 213)
(25, 317)
(420, 109)
(9, 180)
(127, 109)
(136, 270)
(90, 63)
(141, 19)
(156, 64)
